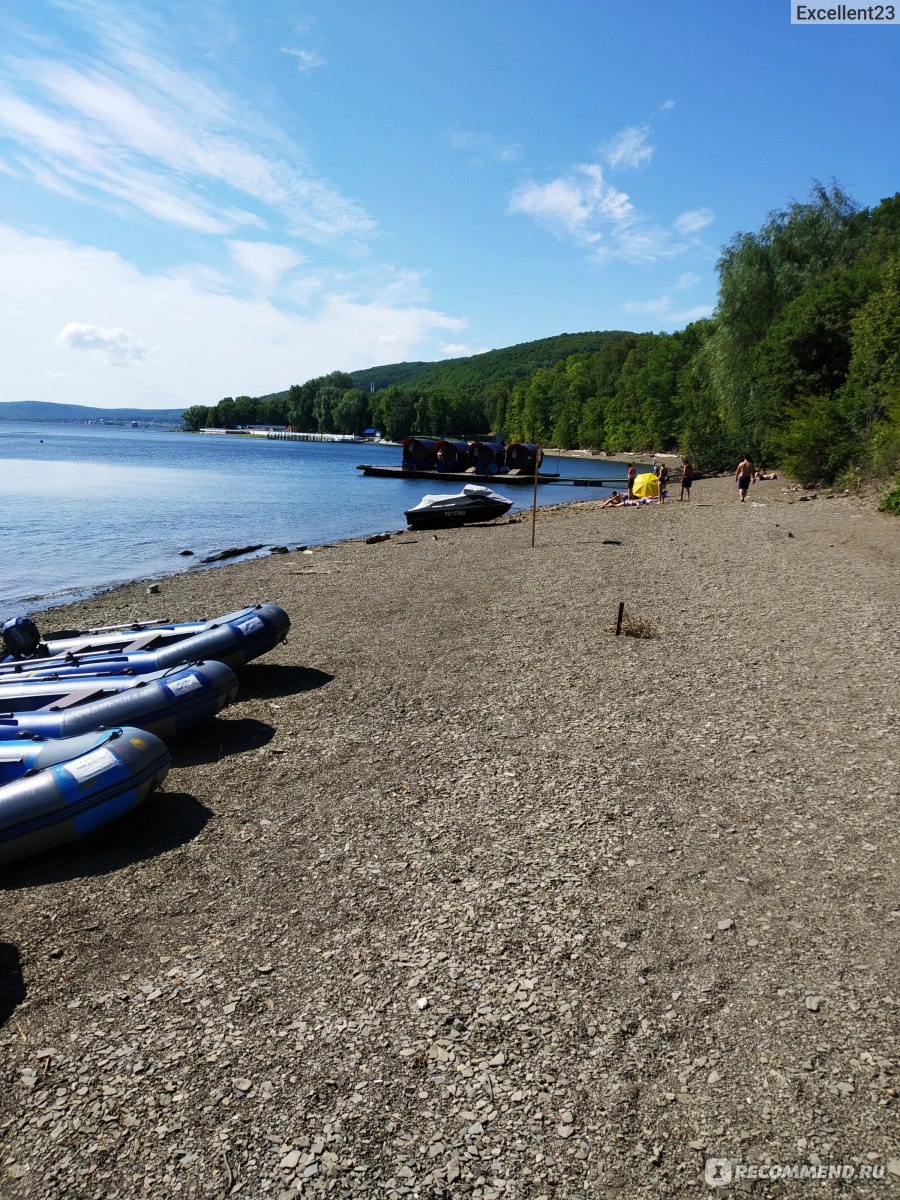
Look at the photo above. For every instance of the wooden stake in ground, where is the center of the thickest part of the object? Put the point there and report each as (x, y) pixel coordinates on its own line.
(537, 460)
(619, 617)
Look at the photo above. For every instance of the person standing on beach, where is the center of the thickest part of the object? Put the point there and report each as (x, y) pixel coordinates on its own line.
(687, 478)
(662, 474)
(744, 474)
(631, 475)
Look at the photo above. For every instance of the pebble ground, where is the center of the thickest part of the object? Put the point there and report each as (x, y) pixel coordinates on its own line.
(468, 897)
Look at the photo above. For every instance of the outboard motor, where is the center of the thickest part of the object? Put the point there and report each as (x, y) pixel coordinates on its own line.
(21, 637)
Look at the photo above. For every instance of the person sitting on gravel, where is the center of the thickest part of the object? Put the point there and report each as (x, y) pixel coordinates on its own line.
(613, 500)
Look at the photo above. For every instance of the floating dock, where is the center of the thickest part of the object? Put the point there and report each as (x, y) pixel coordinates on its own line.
(511, 477)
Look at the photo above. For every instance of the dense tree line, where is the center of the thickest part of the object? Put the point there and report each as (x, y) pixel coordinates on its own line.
(799, 366)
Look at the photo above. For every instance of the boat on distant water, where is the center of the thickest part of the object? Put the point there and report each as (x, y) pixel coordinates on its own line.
(473, 503)
(52, 792)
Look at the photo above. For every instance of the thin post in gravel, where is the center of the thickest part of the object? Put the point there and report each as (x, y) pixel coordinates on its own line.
(619, 617)
(537, 459)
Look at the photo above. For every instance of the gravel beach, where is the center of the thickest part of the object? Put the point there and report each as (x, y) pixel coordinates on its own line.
(468, 897)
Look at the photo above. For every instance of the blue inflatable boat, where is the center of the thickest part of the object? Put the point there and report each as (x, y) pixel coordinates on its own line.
(52, 792)
(164, 703)
(138, 649)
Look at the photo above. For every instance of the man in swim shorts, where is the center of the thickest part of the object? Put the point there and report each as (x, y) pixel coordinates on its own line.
(743, 474)
(687, 478)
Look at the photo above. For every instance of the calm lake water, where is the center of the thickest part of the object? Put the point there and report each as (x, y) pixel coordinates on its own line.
(87, 507)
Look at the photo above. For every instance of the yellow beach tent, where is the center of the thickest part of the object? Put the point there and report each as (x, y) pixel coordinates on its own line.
(645, 485)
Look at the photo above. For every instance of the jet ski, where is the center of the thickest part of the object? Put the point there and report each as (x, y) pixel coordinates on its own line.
(474, 503)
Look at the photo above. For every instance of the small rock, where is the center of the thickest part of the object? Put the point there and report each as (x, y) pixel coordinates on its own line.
(726, 924)
(814, 1003)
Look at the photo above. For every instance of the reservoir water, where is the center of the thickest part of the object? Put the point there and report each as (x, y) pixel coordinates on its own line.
(86, 507)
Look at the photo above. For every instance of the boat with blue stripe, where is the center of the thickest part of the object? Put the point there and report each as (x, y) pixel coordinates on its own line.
(141, 648)
(52, 792)
(165, 703)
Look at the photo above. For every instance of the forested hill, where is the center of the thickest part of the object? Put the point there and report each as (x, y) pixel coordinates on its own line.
(38, 410)
(797, 367)
(471, 374)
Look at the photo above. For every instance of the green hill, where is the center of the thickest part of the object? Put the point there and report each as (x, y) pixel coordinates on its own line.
(38, 410)
(476, 372)
(465, 374)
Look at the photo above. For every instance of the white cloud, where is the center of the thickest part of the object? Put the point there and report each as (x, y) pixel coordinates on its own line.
(687, 279)
(264, 262)
(484, 146)
(693, 221)
(578, 206)
(307, 60)
(661, 304)
(127, 131)
(461, 350)
(195, 335)
(114, 347)
(629, 148)
(583, 208)
(668, 317)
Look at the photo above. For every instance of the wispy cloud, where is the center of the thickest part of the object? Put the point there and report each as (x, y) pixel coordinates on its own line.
(126, 129)
(578, 206)
(307, 60)
(265, 263)
(694, 221)
(629, 148)
(484, 147)
(667, 316)
(583, 208)
(461, 350)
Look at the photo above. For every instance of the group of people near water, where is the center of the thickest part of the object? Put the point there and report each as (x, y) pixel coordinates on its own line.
(661, 471)
(744, 474)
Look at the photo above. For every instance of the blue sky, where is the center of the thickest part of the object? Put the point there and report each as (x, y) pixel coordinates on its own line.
(200, 199)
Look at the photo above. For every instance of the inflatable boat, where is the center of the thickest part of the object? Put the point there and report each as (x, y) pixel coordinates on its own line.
(233, 639)
(473, 503)
(164, 703)
(52, 792)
